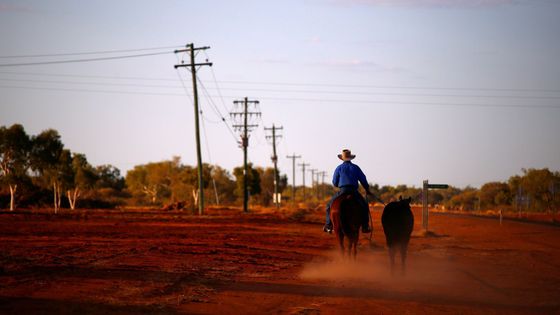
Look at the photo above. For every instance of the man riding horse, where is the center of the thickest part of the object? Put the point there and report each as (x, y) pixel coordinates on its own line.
(346, 177)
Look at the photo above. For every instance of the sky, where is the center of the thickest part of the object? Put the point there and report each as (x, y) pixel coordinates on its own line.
(451, 91)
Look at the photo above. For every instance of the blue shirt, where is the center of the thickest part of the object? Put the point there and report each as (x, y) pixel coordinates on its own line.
(349, 174)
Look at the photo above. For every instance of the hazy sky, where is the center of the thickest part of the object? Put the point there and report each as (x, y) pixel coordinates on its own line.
(458, 92)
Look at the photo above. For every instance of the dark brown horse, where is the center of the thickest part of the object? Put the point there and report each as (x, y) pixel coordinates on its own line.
(398, 221)
(346, 219)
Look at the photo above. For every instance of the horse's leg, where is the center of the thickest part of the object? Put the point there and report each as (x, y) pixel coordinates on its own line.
(392, 258)
(340, 237)
(404, 249)
(355, 248)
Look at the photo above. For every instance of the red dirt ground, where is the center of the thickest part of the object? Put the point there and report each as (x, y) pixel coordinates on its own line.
(227, 262)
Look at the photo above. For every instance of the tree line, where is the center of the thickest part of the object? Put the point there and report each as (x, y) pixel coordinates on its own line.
(535, 190)
(38, 171)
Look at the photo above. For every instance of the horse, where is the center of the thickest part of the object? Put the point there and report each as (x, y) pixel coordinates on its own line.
(398, 221)
(346, 219)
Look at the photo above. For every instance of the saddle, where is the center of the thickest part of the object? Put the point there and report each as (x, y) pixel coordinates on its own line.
(348, 196)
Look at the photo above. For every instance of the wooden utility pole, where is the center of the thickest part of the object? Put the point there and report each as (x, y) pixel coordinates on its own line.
(313, 186)
(303, 165)
(242, 117)
(192, 65)
(294, 157)
(274, 159)
(322, 174)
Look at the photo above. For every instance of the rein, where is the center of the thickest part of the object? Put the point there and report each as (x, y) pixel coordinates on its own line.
(370, 216)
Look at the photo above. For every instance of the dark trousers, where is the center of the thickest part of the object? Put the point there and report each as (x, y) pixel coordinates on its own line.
(357, 196)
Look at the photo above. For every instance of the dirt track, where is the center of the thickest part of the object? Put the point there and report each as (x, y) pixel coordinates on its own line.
(228, 262)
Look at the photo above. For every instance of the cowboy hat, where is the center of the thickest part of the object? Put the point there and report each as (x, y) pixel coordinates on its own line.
(346, 155)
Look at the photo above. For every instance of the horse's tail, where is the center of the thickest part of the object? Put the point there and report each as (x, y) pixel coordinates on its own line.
(344, 215)
(348, 215)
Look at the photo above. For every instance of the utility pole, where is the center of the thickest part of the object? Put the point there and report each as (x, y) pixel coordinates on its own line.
(317, 188)
(313, 187)
(242, 117)
(323, 174)
(192, 65)
(294, 157)
(303, 165)
(275, 161)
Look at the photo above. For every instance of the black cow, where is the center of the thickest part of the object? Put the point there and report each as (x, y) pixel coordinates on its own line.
(398, 221)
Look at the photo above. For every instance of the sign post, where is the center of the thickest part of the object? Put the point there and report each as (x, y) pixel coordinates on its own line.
(425, 186)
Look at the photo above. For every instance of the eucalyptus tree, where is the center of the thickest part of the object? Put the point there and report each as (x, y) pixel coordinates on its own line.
(253, 180)
(108, 176)
(50, 163)
(152, 180)
(15, 146)
(164, 181)
(83, 177)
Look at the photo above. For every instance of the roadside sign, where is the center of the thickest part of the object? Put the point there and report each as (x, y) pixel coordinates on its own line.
(438, 186)
(425, 187)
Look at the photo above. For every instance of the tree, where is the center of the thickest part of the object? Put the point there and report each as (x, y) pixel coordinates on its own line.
(555, 190)
(83, 177)
(514, 184)
(166, 181)
(108, 176)
(15, 146)
(185, 182)
(49, 162)
(539, 185)
(253, 181)
(494, 194)
(142, 181)
(464, 200)
(267, 184)
(387, 193)
(223, 184)
(63, 176)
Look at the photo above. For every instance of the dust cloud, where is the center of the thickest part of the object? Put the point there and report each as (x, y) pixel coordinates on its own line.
(372, 268)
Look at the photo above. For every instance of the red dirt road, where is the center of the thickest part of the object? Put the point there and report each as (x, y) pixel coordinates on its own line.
(95, 262)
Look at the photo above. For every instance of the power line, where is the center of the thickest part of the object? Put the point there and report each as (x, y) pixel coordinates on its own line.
(315, 100)
(87, 76)
(81, 60)
(216, 83)
(524, 97)
(341, 101)
(89, 90)
(216, 110)
(93, 83)
(90, 52)
(392, 86)
(295, 83)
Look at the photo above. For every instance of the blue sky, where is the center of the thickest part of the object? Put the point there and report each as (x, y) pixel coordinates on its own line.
(458, 92)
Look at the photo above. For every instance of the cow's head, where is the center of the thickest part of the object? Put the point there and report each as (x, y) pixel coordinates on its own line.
(406, 201)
